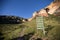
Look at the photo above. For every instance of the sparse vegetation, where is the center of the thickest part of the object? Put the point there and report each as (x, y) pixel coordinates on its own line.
(11, 31)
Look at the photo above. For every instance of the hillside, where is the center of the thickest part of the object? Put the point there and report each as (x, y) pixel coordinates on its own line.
(28, 30)
(5, 19)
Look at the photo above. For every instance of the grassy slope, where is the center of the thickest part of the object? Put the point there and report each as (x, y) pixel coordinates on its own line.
(52, 23)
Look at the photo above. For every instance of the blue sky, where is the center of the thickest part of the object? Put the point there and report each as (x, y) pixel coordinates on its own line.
(22, 8)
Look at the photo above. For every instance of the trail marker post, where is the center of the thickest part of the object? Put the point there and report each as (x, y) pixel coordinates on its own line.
(40, 23)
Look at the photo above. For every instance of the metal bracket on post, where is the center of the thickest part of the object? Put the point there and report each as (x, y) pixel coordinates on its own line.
(40, 24)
